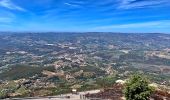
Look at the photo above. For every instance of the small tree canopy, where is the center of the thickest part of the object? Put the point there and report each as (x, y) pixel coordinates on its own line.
(137, 88)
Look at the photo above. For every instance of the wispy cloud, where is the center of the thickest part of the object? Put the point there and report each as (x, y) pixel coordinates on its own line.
(5, 20)
(152, 24)
(130, 4)
(10, 5)
(72, 5)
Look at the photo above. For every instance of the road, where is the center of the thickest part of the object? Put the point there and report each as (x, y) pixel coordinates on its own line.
(79, 96)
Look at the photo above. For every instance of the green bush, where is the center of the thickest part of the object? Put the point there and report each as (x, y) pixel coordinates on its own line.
(106, 81)
(3, 94)
(137, 88)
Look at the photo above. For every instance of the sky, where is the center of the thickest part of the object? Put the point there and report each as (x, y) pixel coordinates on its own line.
(85, 15)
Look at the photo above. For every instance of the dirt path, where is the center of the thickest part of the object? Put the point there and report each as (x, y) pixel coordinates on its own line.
(79, 96)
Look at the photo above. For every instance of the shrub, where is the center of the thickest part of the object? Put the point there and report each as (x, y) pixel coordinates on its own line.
(3, 94)
(137, 88)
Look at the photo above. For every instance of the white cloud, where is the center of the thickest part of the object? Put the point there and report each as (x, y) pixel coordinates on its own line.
(152, 24)
(10, 5)
(73, 5)
(129, 4)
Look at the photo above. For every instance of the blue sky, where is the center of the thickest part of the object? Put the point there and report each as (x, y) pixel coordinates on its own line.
(85, 15)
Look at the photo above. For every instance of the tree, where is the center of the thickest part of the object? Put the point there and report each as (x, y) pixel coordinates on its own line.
(137, 88)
